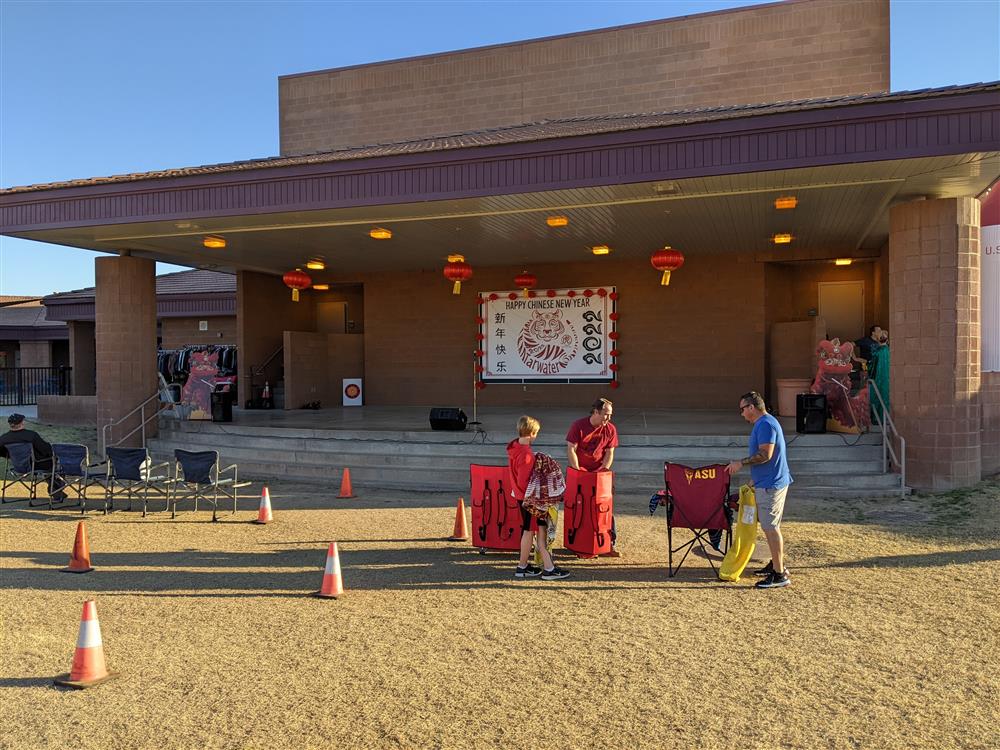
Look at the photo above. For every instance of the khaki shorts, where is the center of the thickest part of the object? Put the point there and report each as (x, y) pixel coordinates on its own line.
(770, 506)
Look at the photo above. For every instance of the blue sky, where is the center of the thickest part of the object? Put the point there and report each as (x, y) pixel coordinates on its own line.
(99, 88)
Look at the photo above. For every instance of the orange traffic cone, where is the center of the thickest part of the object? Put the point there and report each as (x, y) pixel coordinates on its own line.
(461, 532)
(345, 485)
(264, 513)
(79, 559)
(88, 659)
(332, 586)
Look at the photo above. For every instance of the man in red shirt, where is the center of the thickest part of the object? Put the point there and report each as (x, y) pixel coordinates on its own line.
(590, 446)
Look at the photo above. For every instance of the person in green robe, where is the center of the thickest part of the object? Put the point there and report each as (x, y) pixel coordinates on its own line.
(878, 377)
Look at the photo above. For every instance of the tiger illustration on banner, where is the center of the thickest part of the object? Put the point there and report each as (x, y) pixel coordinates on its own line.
(547, 343)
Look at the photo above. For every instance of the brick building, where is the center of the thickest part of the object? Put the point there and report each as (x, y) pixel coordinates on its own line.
(682, 132)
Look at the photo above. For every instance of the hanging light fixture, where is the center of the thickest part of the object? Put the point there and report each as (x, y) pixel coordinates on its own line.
(380, 233)
(600, 249)
(557, 221)
(296, 280)
(316, 265)
(213, 241)
(457, 271)
(525, 281)
(667, 259)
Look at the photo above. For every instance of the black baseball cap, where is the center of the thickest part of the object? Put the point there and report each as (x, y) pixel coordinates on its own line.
(15, 419)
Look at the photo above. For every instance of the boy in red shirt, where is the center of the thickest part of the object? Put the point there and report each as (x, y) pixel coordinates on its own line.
(521, 460)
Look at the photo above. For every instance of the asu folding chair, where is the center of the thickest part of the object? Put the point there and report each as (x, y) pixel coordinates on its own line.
(132, 471)
(696, 499)
(72, 468)
(197, 476)
(20, 470)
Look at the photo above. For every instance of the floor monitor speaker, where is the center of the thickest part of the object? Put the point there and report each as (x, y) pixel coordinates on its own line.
(446, 418)
(810, 413)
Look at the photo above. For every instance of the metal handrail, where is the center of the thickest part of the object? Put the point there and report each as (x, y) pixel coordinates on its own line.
(259, 369)
(143, 421)
(888, 451)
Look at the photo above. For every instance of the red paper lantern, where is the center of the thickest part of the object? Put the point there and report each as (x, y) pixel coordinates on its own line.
(613, 316)
(613, 383)
(550, 293)
(494, 297)
(602, 292)
(614, 352)
(613, 367)
(613, 335)
(613, 295)
(571, 293)
(296, 280)
(457, 271)
(480, 385)
(525, 281)
(588, 292)
(512, 296)
(479, 352)
(667, 259)
(480, 320)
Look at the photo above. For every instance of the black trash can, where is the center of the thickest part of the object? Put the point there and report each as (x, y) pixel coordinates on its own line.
(222, 406)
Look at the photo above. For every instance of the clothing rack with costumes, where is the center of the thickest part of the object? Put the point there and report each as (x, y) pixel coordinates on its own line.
(175, 364)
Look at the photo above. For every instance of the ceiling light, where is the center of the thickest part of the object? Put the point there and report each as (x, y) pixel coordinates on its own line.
(378, 233)
(844, 261)
(665, 188)
(321, 287)
(557, 221)
(213, 241)
(786, 201)
(781, 239)
(456, 258)
(600, 249)
(316, 265)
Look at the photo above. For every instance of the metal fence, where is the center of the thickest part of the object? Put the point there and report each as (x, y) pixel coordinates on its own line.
(21, 386)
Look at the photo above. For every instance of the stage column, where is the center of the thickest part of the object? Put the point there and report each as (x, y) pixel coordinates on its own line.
(934, 337)
(125, 334)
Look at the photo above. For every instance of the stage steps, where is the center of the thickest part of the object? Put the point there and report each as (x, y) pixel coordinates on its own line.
(427, 461)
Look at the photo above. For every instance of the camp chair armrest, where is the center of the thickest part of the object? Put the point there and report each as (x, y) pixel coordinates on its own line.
(231, 467)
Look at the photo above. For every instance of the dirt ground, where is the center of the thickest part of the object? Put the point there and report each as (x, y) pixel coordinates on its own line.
(886, 639)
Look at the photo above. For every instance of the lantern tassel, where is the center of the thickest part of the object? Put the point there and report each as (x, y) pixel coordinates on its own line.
(457, 289)
(665, 281)
(526, 291)
(295, 295)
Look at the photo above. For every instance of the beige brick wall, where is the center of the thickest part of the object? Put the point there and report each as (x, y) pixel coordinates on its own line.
(795, 50)
(83, 357)
(178, 332)
(36, 354)
(678, 350)
(315, 365)
(76, 411)
(990, 395)
(264, 311)
(125, 312)
(935, 330)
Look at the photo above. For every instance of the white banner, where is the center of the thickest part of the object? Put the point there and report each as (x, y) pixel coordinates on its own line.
(990, 297)
(558, 335)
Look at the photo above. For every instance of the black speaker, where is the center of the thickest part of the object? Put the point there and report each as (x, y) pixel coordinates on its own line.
(810, 413)
(446, 418)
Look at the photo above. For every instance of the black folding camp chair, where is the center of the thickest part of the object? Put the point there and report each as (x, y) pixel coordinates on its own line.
(132, 472)
(20, 470)
(696, 500)
(73, 469)
(197, 476)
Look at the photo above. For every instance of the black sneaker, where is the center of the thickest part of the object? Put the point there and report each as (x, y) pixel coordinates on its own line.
(766, 570)
(555, 574)
(530, 572)
(775, 581)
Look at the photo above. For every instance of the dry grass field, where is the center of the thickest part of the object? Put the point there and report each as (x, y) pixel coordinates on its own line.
(886, 639)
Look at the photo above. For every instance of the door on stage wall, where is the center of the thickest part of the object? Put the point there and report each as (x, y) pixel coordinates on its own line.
(842, 304)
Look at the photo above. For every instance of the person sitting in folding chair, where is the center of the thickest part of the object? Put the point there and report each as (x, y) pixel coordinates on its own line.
(40, 448)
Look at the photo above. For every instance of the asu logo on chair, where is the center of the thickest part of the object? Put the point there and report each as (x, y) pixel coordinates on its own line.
(691, 474)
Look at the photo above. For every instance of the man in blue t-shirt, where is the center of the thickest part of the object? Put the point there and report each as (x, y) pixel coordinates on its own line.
(770, 478)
